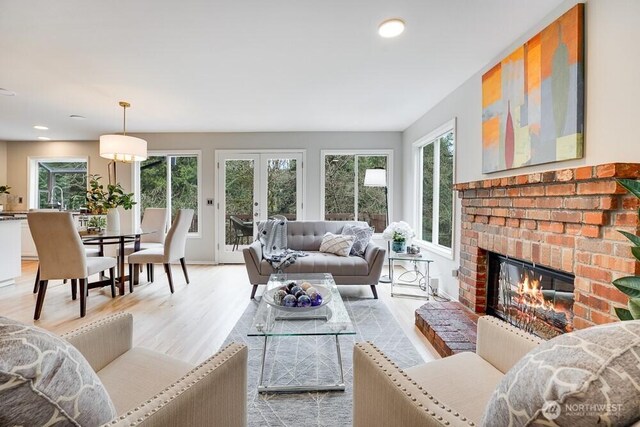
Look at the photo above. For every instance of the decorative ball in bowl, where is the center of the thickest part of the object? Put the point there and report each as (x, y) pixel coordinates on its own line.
(296, 296)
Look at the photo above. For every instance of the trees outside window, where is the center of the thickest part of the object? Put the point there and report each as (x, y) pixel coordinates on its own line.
(171, 181)
(435, 167)
(59, 183)
(345, 196)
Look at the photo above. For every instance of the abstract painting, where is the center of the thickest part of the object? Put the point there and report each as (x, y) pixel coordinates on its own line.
(533, 100)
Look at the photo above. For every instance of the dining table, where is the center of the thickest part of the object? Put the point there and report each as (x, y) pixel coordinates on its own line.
(110, 238)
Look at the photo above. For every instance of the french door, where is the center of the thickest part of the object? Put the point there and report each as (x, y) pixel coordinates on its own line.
(254, 186)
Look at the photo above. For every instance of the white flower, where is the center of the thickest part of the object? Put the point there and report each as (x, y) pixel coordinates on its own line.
(398, 231)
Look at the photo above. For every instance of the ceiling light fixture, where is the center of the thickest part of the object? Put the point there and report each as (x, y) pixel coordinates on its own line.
(40, 127)
(6, 92)
(77, 117)
(391, 28)
(122, 148)
(44, 138)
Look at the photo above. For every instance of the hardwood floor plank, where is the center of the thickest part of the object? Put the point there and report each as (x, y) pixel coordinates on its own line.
(190, 324)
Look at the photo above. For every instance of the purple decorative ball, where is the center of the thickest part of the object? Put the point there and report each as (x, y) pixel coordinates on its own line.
(304, 301)
(295, 290)
(316, 299)
(300, 293)
(290, 286)
(289, 301)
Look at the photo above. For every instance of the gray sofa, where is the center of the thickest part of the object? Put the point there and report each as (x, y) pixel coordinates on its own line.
(306, 236)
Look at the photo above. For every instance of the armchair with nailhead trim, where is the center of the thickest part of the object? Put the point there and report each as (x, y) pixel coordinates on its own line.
(452, 391)
(152, 389)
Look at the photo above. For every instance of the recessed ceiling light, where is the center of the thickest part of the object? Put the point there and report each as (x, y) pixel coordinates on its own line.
(77, 117)
(44, 138)
(7, 92)
(391, 28)
(40, 127)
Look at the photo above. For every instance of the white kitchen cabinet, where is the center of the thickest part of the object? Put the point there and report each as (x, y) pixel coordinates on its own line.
(10, 265)
(28, 247)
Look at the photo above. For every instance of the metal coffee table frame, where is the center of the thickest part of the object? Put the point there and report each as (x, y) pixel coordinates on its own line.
(329, 320)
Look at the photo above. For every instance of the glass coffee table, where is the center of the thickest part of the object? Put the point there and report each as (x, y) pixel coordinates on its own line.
(273, 323)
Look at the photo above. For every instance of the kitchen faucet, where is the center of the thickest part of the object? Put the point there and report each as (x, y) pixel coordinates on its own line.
(61, 202)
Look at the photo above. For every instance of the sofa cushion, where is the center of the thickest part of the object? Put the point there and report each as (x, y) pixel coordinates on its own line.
(336, 244)
(139, 374)
(44, 380)
(463, 382)
(361, 237)
(320, 262)
(307, 235)
(591, 376)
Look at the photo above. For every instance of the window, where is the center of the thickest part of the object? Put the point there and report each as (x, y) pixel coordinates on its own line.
(345, 197)
(435, 198)
(58, 183)
(171, 181)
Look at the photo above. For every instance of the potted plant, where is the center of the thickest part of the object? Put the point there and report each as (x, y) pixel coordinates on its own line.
(102, 201)
(398, 233)
(630, 285)
(4, 189)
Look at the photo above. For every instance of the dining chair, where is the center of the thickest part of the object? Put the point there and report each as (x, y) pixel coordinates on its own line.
(61, 255)
(154, 219)
(173, 250)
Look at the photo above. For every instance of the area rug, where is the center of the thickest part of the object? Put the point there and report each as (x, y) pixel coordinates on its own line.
(294, 360)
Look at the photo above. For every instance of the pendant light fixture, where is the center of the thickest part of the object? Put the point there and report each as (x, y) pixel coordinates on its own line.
(122, 148)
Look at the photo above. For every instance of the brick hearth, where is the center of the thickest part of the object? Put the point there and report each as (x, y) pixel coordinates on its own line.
(566, 219)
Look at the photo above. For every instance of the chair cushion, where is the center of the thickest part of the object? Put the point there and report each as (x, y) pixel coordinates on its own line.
(98, 264)
(591, 375)
(361, 237)
(148, 256)
(463, 382)
(138, 375)
(44, 378)
(320, 262)
(129, 249)
(336, 244)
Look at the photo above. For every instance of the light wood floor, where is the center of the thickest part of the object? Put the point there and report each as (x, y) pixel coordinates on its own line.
(191, 324)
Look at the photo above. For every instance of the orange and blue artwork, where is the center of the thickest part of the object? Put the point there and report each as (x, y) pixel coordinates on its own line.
(533, 100)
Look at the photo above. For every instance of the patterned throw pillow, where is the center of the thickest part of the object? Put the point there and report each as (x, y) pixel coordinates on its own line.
(336, 244)
(44, 380)
(361, 237)
(585, 378)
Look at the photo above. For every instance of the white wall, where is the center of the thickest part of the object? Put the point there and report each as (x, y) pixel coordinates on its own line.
(202, 249)
(611, 98)
(3, 163)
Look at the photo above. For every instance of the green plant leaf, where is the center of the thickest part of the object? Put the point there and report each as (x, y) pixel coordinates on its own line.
(629, 285)
(636, 252)
(632, 185)
(634, 307)
(632, 237)
(623, 314)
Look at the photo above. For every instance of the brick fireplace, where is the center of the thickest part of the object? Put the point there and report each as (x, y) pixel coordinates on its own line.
(565, 220)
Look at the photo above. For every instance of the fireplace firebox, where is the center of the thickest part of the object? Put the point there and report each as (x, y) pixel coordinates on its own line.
(536, 299)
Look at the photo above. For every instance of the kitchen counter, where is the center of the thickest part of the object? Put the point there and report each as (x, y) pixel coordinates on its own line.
(10, 249)
(12, 218)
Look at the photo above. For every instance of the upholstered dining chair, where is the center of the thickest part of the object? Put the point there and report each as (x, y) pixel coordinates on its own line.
(61, 255)
(173, 250)
(154, 219)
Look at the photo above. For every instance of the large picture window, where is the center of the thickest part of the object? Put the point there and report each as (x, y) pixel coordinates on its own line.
(58, 183)
(346, 197)
(172, 181)
(434, 184)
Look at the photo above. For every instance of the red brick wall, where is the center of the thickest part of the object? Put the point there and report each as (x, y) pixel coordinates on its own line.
(566, 219)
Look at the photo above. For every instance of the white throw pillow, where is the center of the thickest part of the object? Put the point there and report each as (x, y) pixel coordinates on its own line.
(336, 244)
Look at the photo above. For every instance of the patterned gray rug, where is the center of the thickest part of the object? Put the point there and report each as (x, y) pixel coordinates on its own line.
(292, 360)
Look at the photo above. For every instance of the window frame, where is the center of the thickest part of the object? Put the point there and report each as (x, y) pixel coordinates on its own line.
(417, 146)
(137, 186)
(32, 173)
(381, 152)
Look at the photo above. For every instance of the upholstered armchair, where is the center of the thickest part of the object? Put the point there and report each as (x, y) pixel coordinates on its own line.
(152, 389)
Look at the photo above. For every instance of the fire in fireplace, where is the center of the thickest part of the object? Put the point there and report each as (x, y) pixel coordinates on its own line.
(536, 299)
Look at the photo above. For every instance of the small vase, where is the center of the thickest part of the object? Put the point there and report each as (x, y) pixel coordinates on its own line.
(113, 220)
(399, 247)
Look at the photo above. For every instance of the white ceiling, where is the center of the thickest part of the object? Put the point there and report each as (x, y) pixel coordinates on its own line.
(241, 65)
